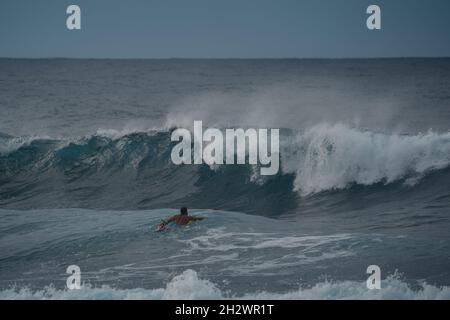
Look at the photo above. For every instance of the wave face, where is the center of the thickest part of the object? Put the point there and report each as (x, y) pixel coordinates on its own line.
(112, 170)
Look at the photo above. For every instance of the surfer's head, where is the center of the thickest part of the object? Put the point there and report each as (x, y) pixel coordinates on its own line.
(183, 211)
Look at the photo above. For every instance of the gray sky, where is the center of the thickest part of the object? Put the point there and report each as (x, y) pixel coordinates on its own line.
(224, 29)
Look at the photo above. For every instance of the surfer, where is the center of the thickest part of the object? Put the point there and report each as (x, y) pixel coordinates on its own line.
(180, 219)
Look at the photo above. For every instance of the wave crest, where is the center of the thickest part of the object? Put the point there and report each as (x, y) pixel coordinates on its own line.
(328, 157)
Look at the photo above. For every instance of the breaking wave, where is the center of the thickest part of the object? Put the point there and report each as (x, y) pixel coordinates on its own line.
(111, 168)
(188, 285)
(330, 157)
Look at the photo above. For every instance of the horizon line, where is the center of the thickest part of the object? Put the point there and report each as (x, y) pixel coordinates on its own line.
(224, 58)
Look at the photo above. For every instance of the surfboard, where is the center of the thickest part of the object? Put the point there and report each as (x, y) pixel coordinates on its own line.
(161, 227)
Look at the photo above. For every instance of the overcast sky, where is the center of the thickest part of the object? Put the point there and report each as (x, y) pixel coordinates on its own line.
(224, 29)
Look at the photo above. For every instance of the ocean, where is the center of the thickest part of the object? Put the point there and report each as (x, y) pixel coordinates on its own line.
(86, 176)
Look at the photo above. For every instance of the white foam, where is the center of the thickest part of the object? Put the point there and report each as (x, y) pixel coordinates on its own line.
(218, 239)
(392, 288)
(189, 286)
(327, 157)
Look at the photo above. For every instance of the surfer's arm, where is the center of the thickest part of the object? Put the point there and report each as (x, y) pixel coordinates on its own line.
(166, 222)
(171, 219)
(196, 218)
